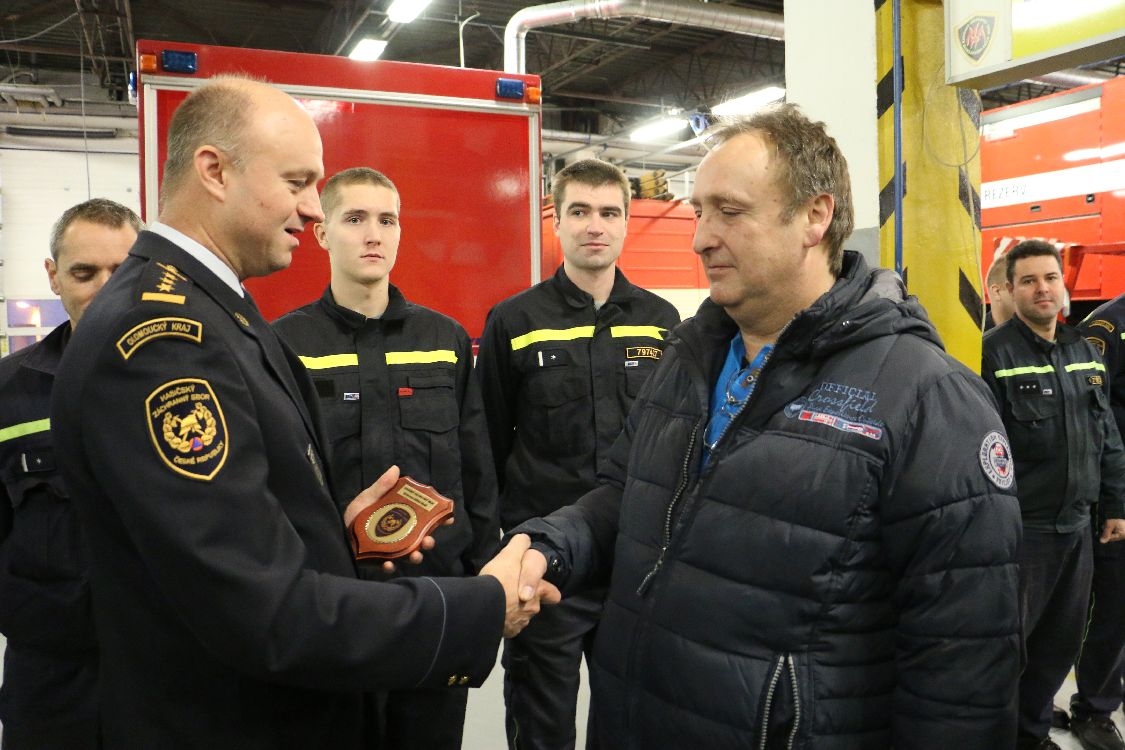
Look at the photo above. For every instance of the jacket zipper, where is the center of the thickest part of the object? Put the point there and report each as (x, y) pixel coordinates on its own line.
(796, 703)
(667, 538)
(783, 662)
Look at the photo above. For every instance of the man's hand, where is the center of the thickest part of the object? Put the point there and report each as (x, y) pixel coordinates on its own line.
(1114, 530)
(369, 496)
(522, 594)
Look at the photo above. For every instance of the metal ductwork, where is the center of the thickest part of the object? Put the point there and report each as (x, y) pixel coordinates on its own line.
(726, 18)
(1068, 79)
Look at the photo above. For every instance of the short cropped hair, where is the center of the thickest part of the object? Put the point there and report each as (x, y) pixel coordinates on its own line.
(593, 173)
(96, 211)
(1030, 249)
(218, 113)
(330, 194)
(810, 163)
(997, 272)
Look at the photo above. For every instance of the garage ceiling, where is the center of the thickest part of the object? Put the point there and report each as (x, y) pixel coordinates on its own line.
(599, 75)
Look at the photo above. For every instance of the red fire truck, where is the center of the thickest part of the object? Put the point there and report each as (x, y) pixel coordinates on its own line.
(1054, 168)
(461, 145)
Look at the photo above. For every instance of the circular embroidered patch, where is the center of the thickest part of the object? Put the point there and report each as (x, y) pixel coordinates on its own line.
(996, 459)
(187, 427)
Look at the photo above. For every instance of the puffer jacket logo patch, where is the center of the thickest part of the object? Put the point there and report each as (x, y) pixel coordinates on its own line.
(996, 459)
(841, 407)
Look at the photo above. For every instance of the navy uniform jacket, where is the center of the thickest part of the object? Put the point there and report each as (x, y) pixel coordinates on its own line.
(399, 389)
(1052, 397)
(50, 666)
(225, 593)
(558, 378)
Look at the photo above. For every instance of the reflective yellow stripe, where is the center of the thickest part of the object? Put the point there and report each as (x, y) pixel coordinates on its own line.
(651, 332)
(422, 358)
(27, 428)
(552, 334)
(329, 361)
(1029, 370)
(1085, 366)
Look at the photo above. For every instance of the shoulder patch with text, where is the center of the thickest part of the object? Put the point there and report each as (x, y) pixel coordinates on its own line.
(996, 459)
(1097, 343)
(156, 328)
(187, 428)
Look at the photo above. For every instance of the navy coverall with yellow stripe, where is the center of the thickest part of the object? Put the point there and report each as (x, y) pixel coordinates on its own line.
(399, 390)
(558, 377)
(1053, 399)
(48, 697)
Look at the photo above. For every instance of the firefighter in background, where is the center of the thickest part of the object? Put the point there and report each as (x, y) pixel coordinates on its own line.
(560, 365)
(999, 298)
(1101, 664)
(48, 698)
(395, 386)
(1050, 385)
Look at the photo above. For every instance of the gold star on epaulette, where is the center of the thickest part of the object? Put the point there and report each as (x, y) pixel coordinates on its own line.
(166, 286)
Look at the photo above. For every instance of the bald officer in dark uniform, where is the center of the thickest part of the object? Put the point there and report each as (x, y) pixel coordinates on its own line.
(225, 594)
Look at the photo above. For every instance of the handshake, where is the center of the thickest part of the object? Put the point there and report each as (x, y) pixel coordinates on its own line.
(520, 571)
(517, 567)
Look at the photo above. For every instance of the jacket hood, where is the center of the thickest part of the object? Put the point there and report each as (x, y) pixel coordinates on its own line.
(862, 305)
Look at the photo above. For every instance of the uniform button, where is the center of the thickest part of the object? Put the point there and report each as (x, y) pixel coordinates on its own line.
(464, 680)
(452, 680)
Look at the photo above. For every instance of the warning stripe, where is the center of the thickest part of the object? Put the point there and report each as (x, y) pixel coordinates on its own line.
(969, 198)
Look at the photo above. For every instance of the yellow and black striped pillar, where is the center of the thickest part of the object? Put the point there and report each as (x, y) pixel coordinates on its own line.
(941, 175)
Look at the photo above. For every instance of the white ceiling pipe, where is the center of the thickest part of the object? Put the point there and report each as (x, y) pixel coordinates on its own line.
(686, 12)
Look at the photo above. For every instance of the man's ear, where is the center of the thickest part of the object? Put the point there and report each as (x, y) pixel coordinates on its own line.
(212, 167)
(320, 234)
(818, 215)
(52, 274)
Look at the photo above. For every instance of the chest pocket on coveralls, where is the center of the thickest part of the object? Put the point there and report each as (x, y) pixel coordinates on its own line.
(43, 545)
(339, 404)
(553, 398)
(1033, 426)
(431, 405)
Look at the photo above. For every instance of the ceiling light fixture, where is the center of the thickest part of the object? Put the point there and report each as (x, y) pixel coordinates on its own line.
(368, 49)
(405, 11)
(751, 102)
(658, 129)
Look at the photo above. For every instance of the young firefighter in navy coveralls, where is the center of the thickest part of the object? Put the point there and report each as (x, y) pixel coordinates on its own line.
(560, 365)
(807, 525)
(394, 382)
(48, 698)
(1051, 387)
(228, 609)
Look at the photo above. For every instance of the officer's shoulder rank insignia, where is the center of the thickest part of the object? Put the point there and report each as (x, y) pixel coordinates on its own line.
(187, 427)
(161, 284)
(155, 328)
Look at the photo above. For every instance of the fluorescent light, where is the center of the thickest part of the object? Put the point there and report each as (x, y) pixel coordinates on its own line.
(751, 102)
(368, 49)
(655, 131)
(405, 11)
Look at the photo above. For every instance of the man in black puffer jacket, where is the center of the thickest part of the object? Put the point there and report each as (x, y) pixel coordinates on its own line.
(809, 524)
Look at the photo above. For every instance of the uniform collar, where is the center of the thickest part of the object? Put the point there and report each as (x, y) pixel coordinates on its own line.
(397, 308)
(1064, 334)
(44, 357)
(211, 261)
(622, 292)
